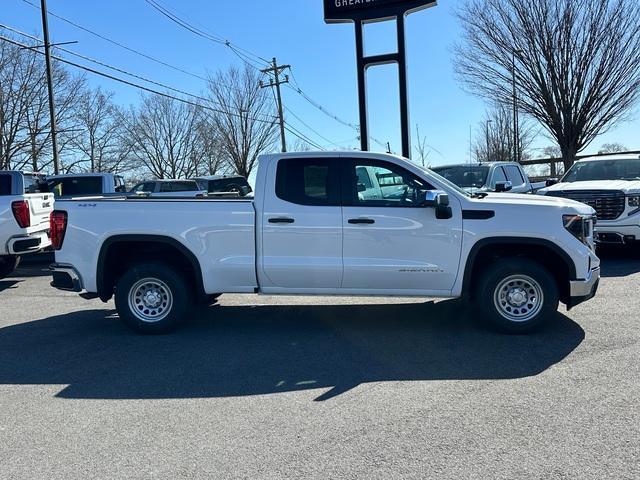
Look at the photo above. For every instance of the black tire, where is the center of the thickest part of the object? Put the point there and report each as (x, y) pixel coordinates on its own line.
(8, 265)
(152, 298)
(517, 295)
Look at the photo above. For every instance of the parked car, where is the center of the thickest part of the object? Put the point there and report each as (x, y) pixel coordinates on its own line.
(309, 232)
(25, 207)
(611, 185)
(70, 185)
(489, 177)
(169, 188)
(225, 184)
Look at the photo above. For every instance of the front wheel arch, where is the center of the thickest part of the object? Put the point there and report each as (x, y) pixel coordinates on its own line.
(490, 250)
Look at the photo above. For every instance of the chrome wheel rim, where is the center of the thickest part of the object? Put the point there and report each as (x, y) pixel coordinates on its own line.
(150, 300)
(518, 298)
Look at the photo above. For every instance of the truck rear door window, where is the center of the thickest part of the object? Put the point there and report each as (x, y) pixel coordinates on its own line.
(76, 186)
(5, 184)
(308, 182)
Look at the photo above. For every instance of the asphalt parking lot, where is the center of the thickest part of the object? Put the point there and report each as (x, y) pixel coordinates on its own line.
(319, 388)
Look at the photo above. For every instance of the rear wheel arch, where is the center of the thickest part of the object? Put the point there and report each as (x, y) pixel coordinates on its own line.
(544, 252)
(120, 252)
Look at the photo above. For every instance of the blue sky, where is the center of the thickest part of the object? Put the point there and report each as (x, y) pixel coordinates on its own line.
(322, 56)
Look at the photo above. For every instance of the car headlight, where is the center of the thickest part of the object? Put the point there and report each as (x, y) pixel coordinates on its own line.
(634, 200)
(580, 226)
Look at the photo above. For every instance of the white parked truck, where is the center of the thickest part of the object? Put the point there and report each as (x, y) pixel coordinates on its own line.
(611, 185)
(24, 218)
(310, 231)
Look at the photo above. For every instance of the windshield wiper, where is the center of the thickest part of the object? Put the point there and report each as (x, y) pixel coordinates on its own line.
(479, 195)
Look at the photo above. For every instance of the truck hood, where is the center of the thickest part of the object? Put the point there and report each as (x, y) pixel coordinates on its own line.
(497, 199)
(627, 186)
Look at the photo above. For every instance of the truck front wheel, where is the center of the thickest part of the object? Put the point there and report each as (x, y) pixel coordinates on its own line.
(518, 295)
(8, 265)
(152, 298)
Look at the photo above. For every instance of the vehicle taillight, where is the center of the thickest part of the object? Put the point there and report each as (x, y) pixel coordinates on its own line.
(57, 228)
(21, 213)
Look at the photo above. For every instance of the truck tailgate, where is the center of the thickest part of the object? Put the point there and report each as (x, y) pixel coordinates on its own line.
(40, 207)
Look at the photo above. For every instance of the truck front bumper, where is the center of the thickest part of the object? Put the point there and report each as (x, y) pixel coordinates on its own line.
(581, 291)
(66, 278)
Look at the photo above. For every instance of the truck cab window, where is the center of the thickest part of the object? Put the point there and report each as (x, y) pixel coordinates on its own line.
(514, 176)
(308, 182)
(374, 183)
(5, 184)
(498, 176)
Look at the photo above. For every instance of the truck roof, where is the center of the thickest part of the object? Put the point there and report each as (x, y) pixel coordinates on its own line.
(613, 156)
(476, 164)
(69, 175)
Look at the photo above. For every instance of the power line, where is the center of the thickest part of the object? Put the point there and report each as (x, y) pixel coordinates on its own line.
(241, 53)
(311, 128)
(120, 70)
(118, 44)
(296, 88)
(135, 85)
(297, 133)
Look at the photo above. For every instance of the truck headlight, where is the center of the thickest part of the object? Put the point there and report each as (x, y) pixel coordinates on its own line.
(579, 226)
(634, 200)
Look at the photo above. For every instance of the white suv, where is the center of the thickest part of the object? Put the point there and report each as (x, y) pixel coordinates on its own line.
(611, 185)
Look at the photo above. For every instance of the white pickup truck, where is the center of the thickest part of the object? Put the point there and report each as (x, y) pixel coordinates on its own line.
(311, 231)
(611, 185)
(24, 218)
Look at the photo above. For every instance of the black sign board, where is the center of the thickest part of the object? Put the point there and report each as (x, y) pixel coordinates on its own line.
(338, 11)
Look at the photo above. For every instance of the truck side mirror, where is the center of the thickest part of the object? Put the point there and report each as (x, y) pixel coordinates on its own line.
(361, 187)
(502, 187)
(440, 201)
(551, 182)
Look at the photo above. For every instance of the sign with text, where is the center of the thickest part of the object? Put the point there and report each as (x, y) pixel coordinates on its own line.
(337, 11)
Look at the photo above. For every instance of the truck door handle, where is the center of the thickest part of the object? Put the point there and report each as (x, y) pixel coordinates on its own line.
(362, 221)
(281, 220)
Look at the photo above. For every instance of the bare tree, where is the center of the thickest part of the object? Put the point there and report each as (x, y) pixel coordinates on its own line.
(495, 142)
(98, 143)
(214, 161)
(422, 149)
(162, 134)
(17, 74)
(612, 148)
(245, 123)
(68, 89)
(576, 62)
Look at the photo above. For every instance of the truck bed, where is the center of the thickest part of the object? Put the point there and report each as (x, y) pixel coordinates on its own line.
(219, 232)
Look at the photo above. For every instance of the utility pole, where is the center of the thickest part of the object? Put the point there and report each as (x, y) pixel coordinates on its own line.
(52, 101)
(277, 71)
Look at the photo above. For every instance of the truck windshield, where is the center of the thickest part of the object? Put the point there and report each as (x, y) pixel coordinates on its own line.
(625, 169)
(473, 176)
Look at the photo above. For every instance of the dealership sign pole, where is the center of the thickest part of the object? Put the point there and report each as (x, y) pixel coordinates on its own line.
(362, 12)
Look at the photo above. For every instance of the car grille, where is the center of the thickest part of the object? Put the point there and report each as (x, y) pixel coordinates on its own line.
(608, 205)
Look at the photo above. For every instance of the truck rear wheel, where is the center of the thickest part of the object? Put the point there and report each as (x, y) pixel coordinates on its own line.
(518, 295)
(152, 298)
(8, 265)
